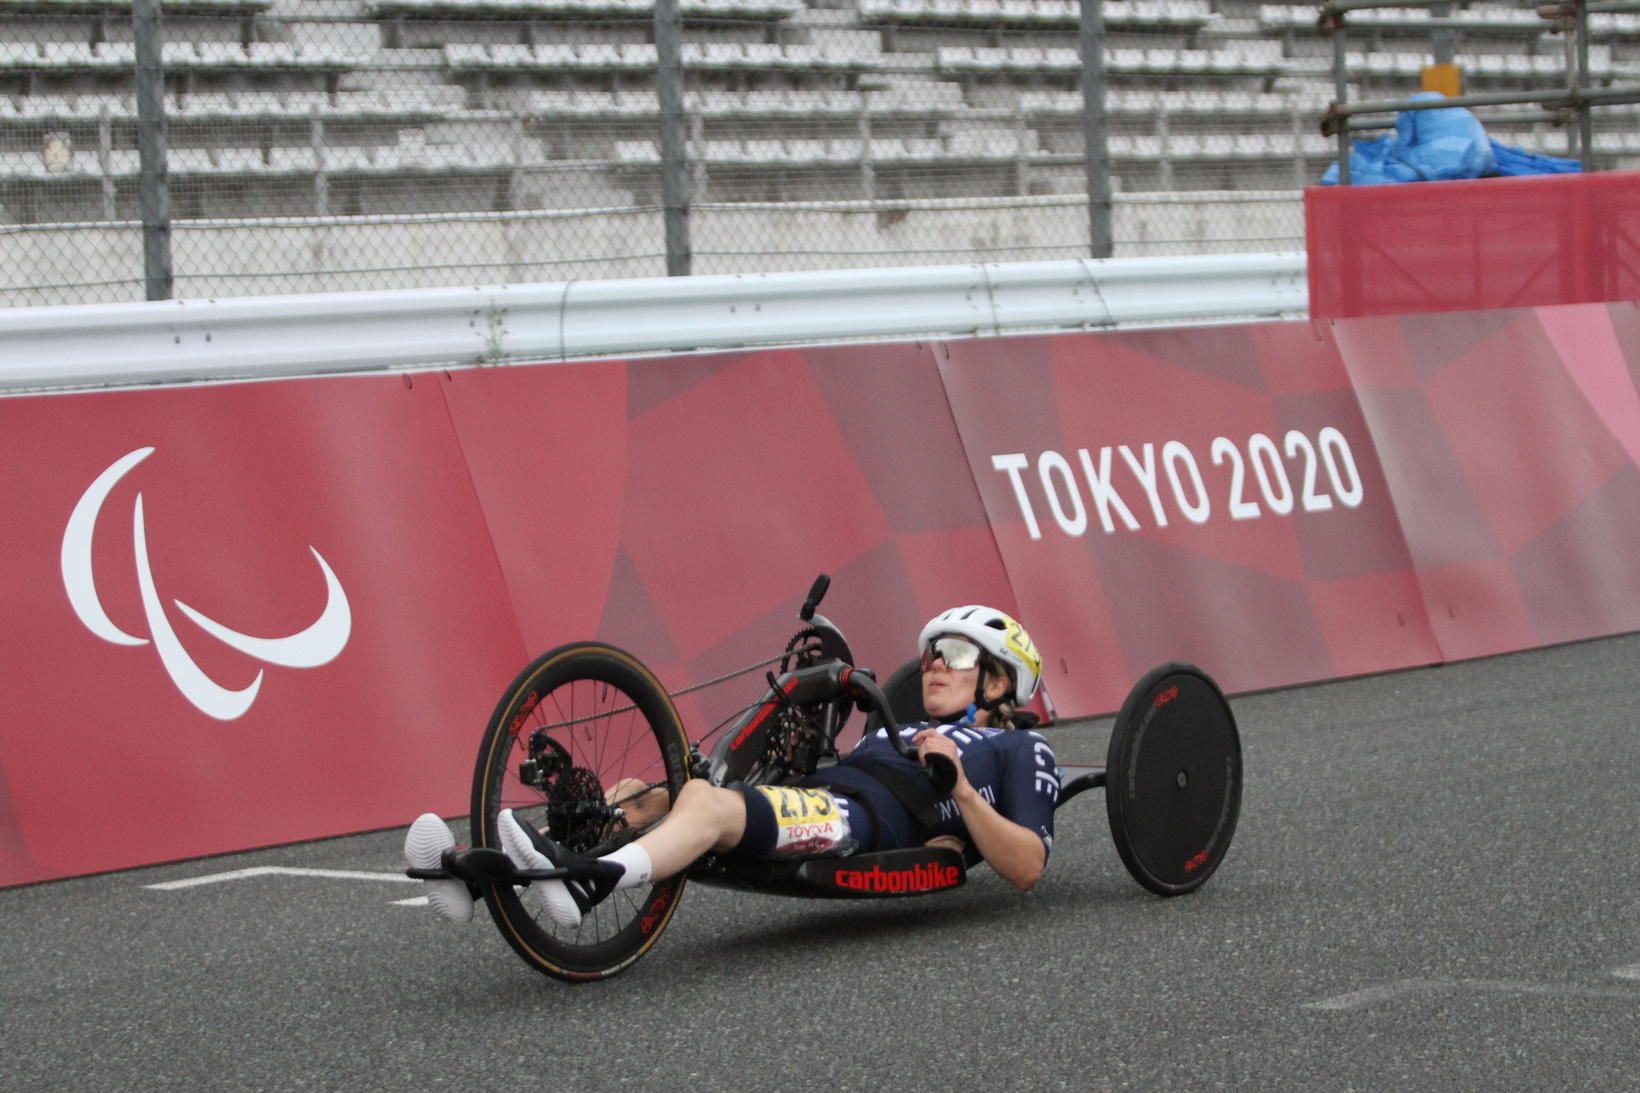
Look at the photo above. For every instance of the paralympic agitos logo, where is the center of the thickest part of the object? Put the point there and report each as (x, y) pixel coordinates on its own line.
(318, 643)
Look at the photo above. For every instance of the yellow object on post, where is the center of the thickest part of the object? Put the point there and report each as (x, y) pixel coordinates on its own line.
(1447, 79)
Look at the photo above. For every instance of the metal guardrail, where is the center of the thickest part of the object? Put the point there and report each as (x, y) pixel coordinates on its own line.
(49, 349)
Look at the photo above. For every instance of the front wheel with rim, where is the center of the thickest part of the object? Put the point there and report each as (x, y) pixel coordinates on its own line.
(1173, 779)
(586, 745)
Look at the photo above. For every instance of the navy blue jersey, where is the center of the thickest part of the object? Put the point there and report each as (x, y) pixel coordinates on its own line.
(1014, 770)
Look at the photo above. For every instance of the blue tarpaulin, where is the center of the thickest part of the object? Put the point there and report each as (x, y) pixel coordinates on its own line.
(1431, 145)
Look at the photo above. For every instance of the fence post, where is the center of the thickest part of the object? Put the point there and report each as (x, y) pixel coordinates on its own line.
(1585, 123)
(1341, 61)
(1445, 39)
(674, 148)
(155, 189)
(1092, 34)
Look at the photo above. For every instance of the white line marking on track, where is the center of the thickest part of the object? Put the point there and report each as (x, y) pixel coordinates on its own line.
(1369, 996)
(413, 901)
(279, 871)
(1630, 972)
(1374, 995)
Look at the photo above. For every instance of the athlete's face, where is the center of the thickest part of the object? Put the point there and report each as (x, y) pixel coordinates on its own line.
(946, 691)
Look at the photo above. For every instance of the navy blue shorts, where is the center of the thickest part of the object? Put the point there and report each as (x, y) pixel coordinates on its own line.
(786, 822)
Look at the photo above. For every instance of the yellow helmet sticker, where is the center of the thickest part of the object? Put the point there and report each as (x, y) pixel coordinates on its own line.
(1020, 642)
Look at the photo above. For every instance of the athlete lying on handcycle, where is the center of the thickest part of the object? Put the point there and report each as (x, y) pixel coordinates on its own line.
(977, 666)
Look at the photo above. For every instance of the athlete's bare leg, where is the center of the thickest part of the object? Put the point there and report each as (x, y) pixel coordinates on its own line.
(704, 817)
(642, 804)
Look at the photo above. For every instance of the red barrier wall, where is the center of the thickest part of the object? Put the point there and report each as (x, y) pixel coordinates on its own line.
(1255, 565)
(105, 762)
(192, 680)
(1476, 245)
(1511, 444)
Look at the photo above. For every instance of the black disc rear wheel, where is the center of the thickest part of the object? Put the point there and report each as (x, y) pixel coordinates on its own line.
(586, 746)
(1173, 788)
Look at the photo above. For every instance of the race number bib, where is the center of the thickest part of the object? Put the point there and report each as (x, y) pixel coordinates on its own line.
(809, 822)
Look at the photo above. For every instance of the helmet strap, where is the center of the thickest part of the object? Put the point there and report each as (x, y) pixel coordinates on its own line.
(991, 704)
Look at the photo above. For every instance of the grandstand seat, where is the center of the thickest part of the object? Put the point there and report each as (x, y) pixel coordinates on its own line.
(189, 161)
(67, 56)
(202, 105)
(1034, 13)
(717, 54)
(346, 159)
(1216, 146)
(720, 152)
(924, 149)
(1280, 17)
(45, 108)
(21, 166)
(505, 56)
(845, 150)
(784, 102)
(971, 145)
(637, 152)
(238, 161)
(582, 9)
(575, 103)
(123, 7)
(1071, 104)
(488, 159)
(804, 151)
(15, 55)
(1316, 146)
(292, 161)
(1128, 147)
(1172, 60)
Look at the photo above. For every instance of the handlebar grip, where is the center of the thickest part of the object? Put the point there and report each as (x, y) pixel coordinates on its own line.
(817, 592)
(942, 772)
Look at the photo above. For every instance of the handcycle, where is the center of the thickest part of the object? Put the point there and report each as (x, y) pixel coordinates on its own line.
(586, 744)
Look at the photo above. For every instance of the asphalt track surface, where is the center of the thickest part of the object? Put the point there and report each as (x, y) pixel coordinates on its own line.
(1434, 886)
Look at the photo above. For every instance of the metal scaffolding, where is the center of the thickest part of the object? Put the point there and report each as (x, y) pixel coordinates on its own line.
(1569, 17)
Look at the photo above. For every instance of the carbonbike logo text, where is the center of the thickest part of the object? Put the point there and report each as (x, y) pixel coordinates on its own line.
(1123, 487)
(319, 643)
(918, 878)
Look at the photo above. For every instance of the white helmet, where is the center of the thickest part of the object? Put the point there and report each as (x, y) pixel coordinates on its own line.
(999, 635)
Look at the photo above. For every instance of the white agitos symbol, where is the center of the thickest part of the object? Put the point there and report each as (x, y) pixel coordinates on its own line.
(317, 644)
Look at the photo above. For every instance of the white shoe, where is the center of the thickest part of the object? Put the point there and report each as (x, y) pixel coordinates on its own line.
(554, 897)
(424, 847)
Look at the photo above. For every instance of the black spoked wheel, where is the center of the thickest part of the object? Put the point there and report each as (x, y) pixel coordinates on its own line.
(585, 745)
(1173, 788)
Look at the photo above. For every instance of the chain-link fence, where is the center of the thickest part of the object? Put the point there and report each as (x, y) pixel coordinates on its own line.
(324, 145)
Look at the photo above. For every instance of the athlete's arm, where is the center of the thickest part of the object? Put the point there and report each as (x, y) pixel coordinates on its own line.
(1016, 852)
(1013, 851)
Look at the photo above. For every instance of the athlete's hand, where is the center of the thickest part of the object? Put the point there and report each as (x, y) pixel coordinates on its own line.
(930, 742)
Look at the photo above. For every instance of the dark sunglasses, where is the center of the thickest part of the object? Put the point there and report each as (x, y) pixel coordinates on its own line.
(959, 654)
